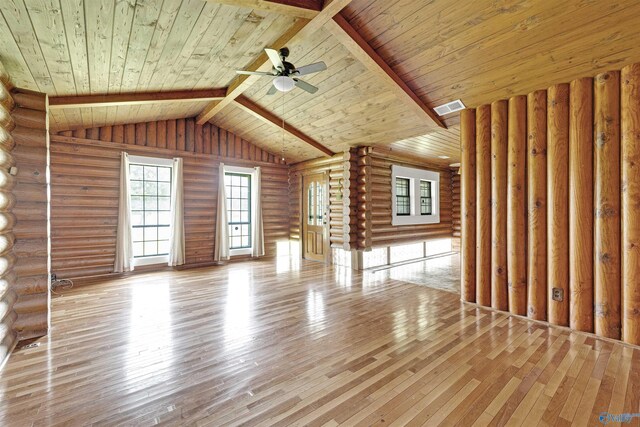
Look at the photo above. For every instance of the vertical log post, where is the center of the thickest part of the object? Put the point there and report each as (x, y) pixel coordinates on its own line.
(630, 130)
(606, 160)
(558, 203)
(468, 190)
(537, 205)
(581, 205)
(516, 205)
(499, 299)
(483, 205)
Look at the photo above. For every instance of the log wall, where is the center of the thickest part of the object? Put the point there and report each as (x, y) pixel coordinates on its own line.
(566, 163)
(85, 181)
(32, 212)
(8, 295)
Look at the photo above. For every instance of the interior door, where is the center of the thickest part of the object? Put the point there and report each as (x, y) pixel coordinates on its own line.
(314, 217)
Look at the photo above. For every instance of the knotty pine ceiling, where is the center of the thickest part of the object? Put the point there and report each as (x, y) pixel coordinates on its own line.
(478, 51)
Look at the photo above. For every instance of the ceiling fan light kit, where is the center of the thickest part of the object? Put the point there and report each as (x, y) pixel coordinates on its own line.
(284, 83)
(285, 74)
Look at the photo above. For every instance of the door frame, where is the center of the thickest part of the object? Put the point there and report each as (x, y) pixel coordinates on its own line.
(326, 229)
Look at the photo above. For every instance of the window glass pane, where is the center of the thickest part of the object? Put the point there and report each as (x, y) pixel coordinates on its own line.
(150, 173)
(164, 203)
(138, 249)
(164, 233)
(425, 198)
(150, 203)
(403, 199)
(147, 183)
(163, 247)
(137, 234)
(310, 204)
(150, 248)
(137, 203)
(137, 188)
(150, 188)
(137, 218)
(164, 189)
(151, 218)
(164, 218)
(319, 203)
(136, 172)
(164, 174)
(150, 233)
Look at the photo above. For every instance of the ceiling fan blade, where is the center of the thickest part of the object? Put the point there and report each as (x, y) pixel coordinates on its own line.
(254, 73)
(272, 90)
(274, 56)
(311, 68)
(305, 86)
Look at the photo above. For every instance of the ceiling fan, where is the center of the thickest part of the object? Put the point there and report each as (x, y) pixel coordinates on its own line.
(285, 74)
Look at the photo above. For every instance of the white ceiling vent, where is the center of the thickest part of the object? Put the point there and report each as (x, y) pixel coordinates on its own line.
(450, 107)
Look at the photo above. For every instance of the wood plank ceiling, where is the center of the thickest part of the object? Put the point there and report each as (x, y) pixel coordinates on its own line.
(478, 51)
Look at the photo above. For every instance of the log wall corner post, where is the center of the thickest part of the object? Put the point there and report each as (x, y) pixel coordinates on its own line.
(606, 162)
(558, 204)
(350, 198)
(32, 249)
(8, 295)
(630, 132)
(516, 206)
(468, 206)
(483, 205)
(537, 205)
(364, 198)
(581, 204)
(499, 114)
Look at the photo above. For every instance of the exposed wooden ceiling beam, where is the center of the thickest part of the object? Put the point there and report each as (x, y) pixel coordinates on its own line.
(307, 9)
(299, 29)
(266, 116)
(340, 28)
(59, 102)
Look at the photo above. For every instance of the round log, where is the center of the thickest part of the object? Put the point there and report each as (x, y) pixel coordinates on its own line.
(557, 203)
(468, 189)
(606, 160)
(483, 205)
(499, 112)
(516, 206)
(537, 204)
(630, 132)
(581, 205)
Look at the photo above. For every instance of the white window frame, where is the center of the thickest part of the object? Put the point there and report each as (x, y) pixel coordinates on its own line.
(415, 175)
(150, 161)
(252, 172)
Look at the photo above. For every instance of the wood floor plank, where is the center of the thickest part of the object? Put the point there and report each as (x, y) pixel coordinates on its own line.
(282, 342)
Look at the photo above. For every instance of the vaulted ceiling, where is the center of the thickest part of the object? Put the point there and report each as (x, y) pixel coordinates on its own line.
(440, 50)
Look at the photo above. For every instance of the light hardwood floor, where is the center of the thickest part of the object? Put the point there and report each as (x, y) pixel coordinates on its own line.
(280, 342)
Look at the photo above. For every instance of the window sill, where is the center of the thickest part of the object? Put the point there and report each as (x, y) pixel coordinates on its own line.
(243, 251)
(151, 260)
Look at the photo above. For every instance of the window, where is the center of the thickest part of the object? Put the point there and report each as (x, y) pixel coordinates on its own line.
(425, 198)
(416, 196)
(403, 196)
(150, 186)
(238, 186)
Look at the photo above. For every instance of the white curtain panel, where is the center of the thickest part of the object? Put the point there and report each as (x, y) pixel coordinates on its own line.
(221, 250)
(258, 230)
(124, 245)
(176, 242)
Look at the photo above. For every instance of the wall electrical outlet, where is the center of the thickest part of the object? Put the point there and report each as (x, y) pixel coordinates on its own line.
(557, 294)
